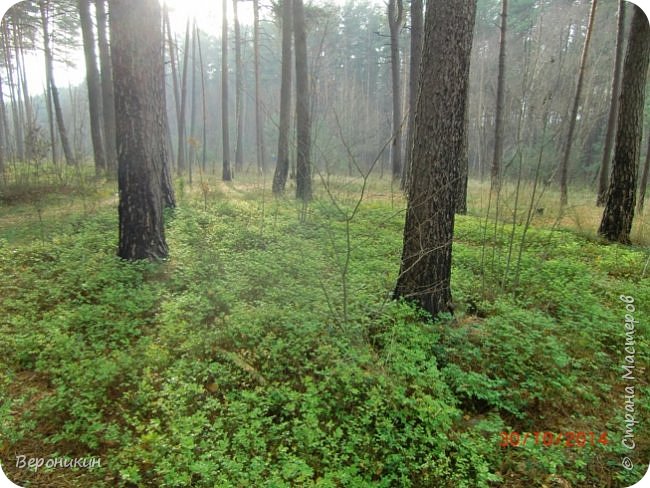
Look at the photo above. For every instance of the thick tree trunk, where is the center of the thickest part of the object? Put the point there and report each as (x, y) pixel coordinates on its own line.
(239, 93)
(564, 166)
(282, 167)
(495, 172)
(136, 41)
(603, 174)
(226, 173)
(617, 218)
(414, 71)
(49, 70)
(303, 119)
(437, 153)
(93, 85)
(395, 23)
(108, 99)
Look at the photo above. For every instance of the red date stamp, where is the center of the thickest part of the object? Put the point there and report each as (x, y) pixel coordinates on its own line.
(548, 439)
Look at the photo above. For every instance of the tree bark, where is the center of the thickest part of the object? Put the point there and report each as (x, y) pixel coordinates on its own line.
(603, 174)
(282, 166)
(440, 131)
(495, 172)
(303, 119)
(414, 71)
(182, 136)
(617, 218)
(226, 173)
(564, 166)
(93, 85)
(108, 99)
(136, 42)
(395, 23)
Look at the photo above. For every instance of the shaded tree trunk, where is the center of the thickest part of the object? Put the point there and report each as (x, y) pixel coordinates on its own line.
(564, 166)
(414, 71)
(282, 166)
(108, 99)
(203, 100)
(182, 136)
(226, 173)
(616, 223)
(439, 137)
(49, 70)
(93, 85)
(303, 119)
(136, 42)
(395, 23)
(603, 174)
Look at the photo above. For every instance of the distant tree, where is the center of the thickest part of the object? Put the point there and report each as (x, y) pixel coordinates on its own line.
(440, 131)
(603, 174)
(44, 7)
(239, 93)
(395, 24)
(226, 171)
(417, 22)
(93, 85)
(616, 223)
(182, 132)
(303, 119)
(495, 174)
(108, 99)
(564, 165)
(138, 74)
(259, 117)
(282, 165)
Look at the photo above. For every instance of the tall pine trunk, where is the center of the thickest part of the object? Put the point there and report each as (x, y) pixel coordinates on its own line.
(616, 223)
(438, 150)
(303, 119)
(136, 42)
(495, 171)
(239, 94)
(603, 174)
(395, 23)
(226, 172)
(259, 117)
(93, 85)
(282, 166)
(417, 22)
(108, 99)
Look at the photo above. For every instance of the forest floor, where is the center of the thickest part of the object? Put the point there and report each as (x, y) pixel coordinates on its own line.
(267, 352)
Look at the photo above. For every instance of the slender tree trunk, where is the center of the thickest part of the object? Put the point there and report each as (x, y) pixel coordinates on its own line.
(172, 61)
(182, 136)
(49, 69)
(303, 121)
(93, 85)
(617, 218)
(417, 22)
(30, 119)
(193, 109)
(282, 166)
(603, 174)
(643, 184)
(108, 99)
(203, 100)
(564, 167)
(239, 103)
(226, 174)
(3, 124)
(495, 172)
(438, 149)
(395, 23)
(259, 120)
(19, 135)
(136, 42)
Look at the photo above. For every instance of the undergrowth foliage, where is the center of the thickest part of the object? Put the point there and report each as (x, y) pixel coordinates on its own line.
(225, 366)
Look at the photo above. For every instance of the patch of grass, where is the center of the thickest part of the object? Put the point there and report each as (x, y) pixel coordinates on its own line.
(230, 363)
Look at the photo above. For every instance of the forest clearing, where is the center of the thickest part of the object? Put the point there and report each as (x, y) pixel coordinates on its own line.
(288, 243)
